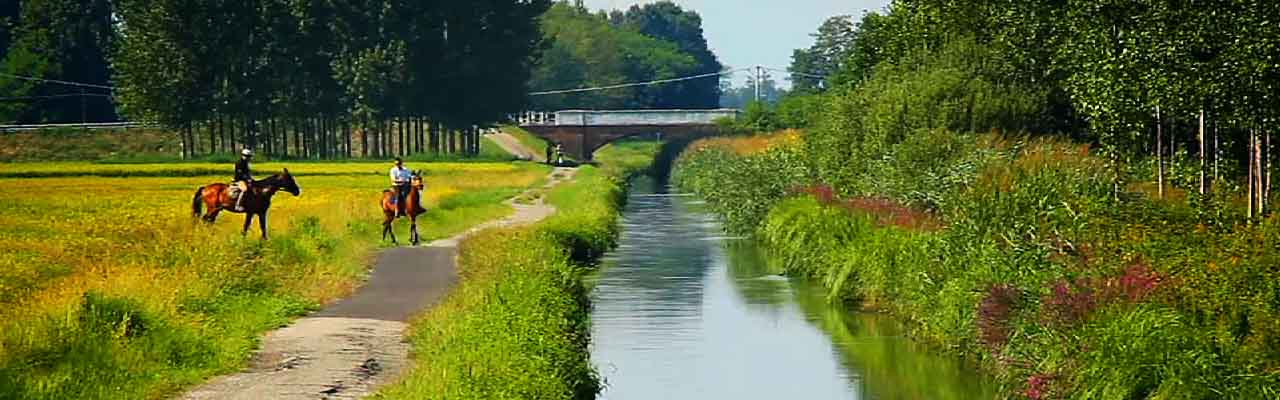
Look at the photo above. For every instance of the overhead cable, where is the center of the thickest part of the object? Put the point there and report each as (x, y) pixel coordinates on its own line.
(68, 83)
(626, 85)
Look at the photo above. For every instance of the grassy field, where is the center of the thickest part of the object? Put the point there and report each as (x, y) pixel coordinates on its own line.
(108, 289)
(516, 326)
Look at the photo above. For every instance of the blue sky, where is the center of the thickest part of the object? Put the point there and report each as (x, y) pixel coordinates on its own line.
(745, 33)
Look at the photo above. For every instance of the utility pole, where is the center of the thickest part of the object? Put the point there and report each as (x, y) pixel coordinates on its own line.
(759, 81)
(84, 113)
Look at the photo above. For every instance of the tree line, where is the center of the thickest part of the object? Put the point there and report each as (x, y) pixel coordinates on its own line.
(1187, 88)
(291, 78)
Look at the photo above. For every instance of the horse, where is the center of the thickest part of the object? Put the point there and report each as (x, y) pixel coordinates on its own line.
(217, 197)
(413, 208)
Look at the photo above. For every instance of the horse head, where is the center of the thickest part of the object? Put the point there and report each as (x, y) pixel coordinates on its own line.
(288, 184)
(416, 181)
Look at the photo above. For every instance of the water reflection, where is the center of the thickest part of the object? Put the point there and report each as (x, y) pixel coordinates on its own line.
(682, 312)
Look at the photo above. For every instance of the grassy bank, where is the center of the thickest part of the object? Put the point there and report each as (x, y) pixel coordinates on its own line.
(516, 325)
(1018, 253)
(109, 290)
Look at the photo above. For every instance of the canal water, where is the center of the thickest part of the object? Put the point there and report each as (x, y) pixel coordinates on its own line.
(680, 311)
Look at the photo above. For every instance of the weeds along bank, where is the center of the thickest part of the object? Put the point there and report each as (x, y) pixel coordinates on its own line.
(109, 290)
(516, 325)
(1017, 252)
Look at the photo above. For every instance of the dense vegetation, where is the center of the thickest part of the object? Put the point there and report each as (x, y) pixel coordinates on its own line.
(516, 325)
(109, 291)
(1029, 184)
(646, 42)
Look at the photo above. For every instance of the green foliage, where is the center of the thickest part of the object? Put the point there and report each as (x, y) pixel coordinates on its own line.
(56, 39)
(740, 188)
(657, 41)
(1079, 294)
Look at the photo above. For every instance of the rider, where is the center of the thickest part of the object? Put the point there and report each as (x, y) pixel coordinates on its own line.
(401, 177)
(243, 177)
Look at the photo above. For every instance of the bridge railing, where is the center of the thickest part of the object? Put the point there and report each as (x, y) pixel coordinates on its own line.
(535, 118)
(623, 117)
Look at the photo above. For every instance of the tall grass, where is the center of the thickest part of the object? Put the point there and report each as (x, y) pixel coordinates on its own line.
(110, 290)
(1035, 265)
(516, 326)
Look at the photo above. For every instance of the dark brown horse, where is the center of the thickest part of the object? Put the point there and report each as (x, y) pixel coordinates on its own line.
(217, 198)
(413, 208)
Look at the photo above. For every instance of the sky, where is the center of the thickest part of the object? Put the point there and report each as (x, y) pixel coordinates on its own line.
(745, 33)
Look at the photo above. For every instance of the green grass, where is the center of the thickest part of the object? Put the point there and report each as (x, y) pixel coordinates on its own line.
(516, 326)
(533, 143)
(74, 144)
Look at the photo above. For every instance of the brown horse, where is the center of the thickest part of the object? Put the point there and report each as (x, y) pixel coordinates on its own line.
(413, 208)
(217, 197)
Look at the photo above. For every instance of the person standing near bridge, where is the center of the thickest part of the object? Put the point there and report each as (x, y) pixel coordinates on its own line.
(550, 149)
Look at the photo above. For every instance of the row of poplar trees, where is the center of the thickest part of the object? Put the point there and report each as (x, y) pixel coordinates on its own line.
(325, 78)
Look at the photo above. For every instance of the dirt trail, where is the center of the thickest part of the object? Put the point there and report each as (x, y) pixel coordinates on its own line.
(353, 346)
(513, 146)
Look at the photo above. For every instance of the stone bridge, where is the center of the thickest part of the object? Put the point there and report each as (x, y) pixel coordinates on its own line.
(582, 132)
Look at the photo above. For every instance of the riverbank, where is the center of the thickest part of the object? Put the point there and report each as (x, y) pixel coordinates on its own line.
(1018, 254)
(109, 290)
(515, 327)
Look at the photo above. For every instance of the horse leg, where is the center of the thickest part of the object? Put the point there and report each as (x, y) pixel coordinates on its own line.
(248, 220)
(386, 227)
(213, 214)
(413, 229)
(262, 224)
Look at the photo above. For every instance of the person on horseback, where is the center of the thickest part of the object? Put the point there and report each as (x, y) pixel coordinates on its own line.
(243, 178)
(401, 178)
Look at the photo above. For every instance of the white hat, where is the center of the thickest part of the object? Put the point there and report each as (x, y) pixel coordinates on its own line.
(246, 152)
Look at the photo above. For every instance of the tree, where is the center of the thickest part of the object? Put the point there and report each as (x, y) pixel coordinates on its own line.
(667, 21)
(66, 40)
(832, 47)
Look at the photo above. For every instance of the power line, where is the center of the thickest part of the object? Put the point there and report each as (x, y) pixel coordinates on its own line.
(625, 85)
(54, 96)
(798, 73)
(68, 83)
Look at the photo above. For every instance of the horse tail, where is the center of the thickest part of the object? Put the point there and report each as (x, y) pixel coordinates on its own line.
(196, 200)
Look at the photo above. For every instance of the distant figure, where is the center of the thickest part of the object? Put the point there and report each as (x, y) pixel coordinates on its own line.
(550, 149)
(559, 154)
(243, 178)
(400, 180)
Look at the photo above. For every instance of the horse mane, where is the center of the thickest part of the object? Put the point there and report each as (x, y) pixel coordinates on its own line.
(269, 181)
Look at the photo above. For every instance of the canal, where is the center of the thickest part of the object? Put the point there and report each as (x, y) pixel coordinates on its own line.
(680, 311)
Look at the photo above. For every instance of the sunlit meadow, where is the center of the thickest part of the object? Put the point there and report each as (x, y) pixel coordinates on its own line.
(110, 289)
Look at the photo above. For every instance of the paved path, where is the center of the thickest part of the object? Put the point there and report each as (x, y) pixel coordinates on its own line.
(513, 146)
(355, 345)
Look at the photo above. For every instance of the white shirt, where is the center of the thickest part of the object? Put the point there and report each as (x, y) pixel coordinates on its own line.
(401, 175)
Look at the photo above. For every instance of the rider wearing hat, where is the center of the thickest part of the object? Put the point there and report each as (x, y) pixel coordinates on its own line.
(243, 177)
(401, 178)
